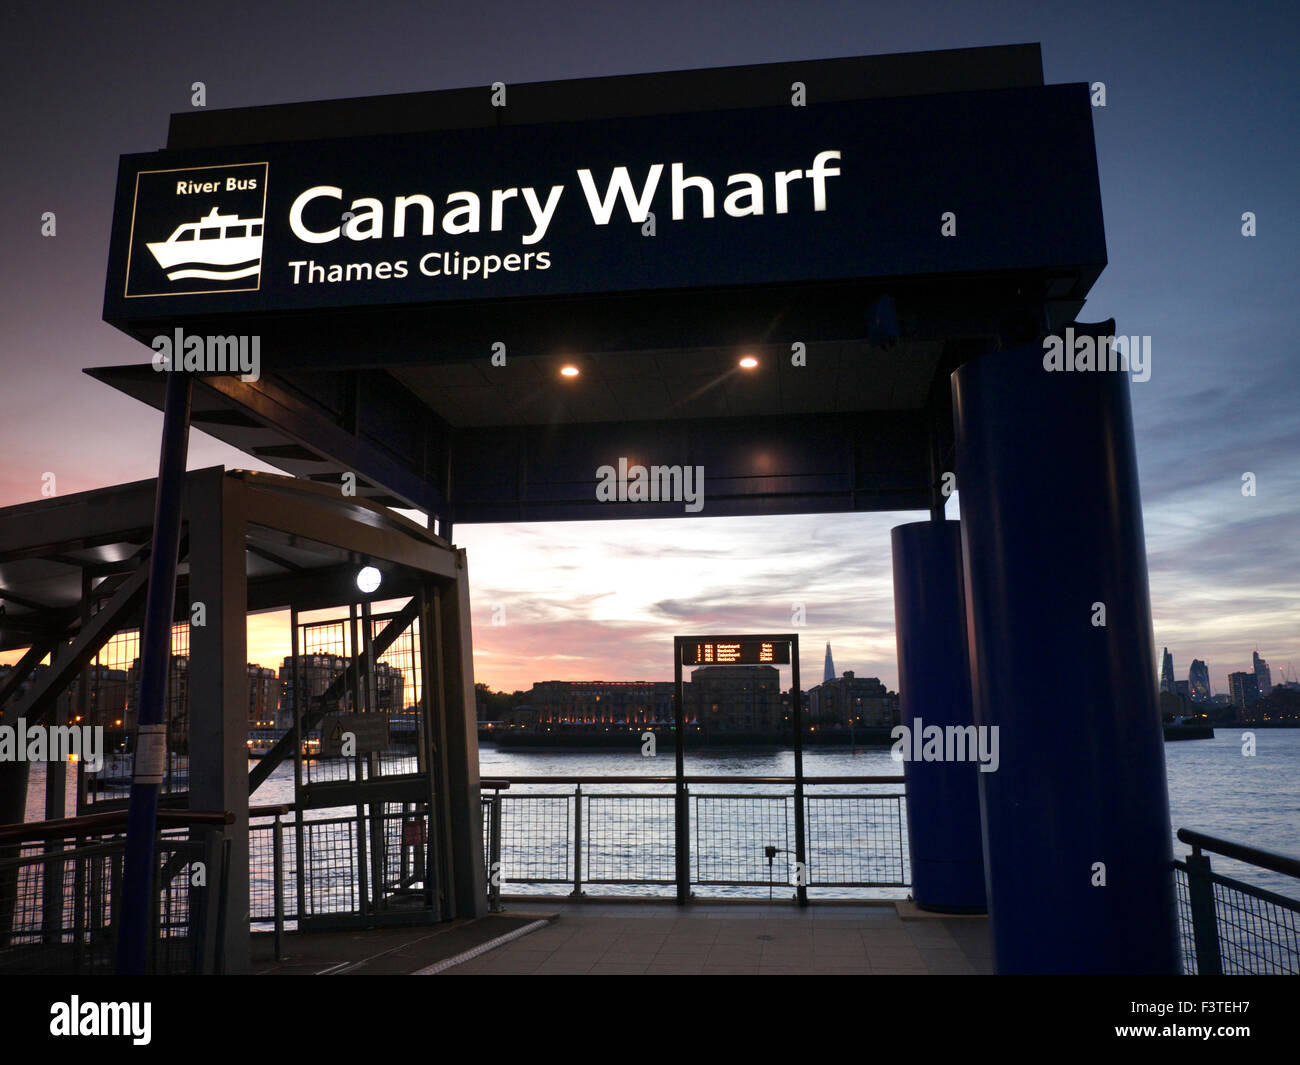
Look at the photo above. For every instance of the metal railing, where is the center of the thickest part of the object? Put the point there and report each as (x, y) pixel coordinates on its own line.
(354, 864)
(61, 886)
(564, 836)
(577, 833)
(1228, 926)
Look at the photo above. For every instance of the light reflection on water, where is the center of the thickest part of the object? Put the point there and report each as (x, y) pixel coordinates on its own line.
(1213, 787)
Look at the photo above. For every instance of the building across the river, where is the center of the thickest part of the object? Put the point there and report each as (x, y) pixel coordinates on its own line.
(848, 701)
(319, 671)
(601, 702)
(734, 698)
(717, 698)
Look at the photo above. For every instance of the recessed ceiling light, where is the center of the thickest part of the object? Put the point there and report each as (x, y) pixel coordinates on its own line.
(569, 371)
(749, 362)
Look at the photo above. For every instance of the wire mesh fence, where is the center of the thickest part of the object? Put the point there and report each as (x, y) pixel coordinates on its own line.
(857, 841)
(325, 650)
(106, 695)
(58, 897)
(741, 841)
(331, 869)
(1186, 935)
(262, 869)
(732, 834)
(558, 840)
(59, 901)
(384, 696)
(1228, 926)
(537, 838)
(628, 839)
(353, 863)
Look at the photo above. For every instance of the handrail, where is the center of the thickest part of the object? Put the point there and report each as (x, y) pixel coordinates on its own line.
(691, 780)
(90, 824)
(1271, 860)
(504, 783)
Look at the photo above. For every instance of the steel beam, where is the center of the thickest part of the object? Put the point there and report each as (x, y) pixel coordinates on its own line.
(296, 514)
(270, 403)
(791, 464)
(40, 529)
(90, 639)
(318, 589)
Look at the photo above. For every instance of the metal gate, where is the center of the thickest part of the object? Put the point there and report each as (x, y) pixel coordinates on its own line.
(365, 772)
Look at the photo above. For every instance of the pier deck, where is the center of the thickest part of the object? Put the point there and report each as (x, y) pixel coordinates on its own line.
(730, 938)
(653, 938)
(381, 951)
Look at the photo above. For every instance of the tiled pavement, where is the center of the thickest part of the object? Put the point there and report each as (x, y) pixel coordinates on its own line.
(634, 939)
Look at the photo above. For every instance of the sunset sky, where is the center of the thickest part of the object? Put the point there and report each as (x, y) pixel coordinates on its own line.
(1199, 127)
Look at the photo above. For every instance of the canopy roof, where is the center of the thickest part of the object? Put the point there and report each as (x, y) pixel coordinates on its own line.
(848, 407)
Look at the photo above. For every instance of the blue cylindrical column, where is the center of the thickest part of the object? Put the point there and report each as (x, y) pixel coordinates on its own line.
(1076, 818)
(943, 818)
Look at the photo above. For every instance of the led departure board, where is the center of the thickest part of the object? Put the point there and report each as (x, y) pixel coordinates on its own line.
(735, 652)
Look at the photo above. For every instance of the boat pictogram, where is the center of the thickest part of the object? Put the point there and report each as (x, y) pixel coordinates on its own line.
(221, 247)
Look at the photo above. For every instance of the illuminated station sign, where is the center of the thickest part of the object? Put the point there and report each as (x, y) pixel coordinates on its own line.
(649, 203)
(735, 652)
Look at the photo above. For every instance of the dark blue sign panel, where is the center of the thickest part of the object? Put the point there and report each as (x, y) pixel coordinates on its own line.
(220, 251)
(1001, 180)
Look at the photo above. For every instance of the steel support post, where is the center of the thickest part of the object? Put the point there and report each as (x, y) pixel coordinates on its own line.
(1205, 922)
(460, 722)
(681, 805)
(218, 723)
(800, 806)
(155, 656)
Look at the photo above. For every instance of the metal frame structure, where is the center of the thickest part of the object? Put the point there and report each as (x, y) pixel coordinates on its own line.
(249, 543)
(929, 356)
